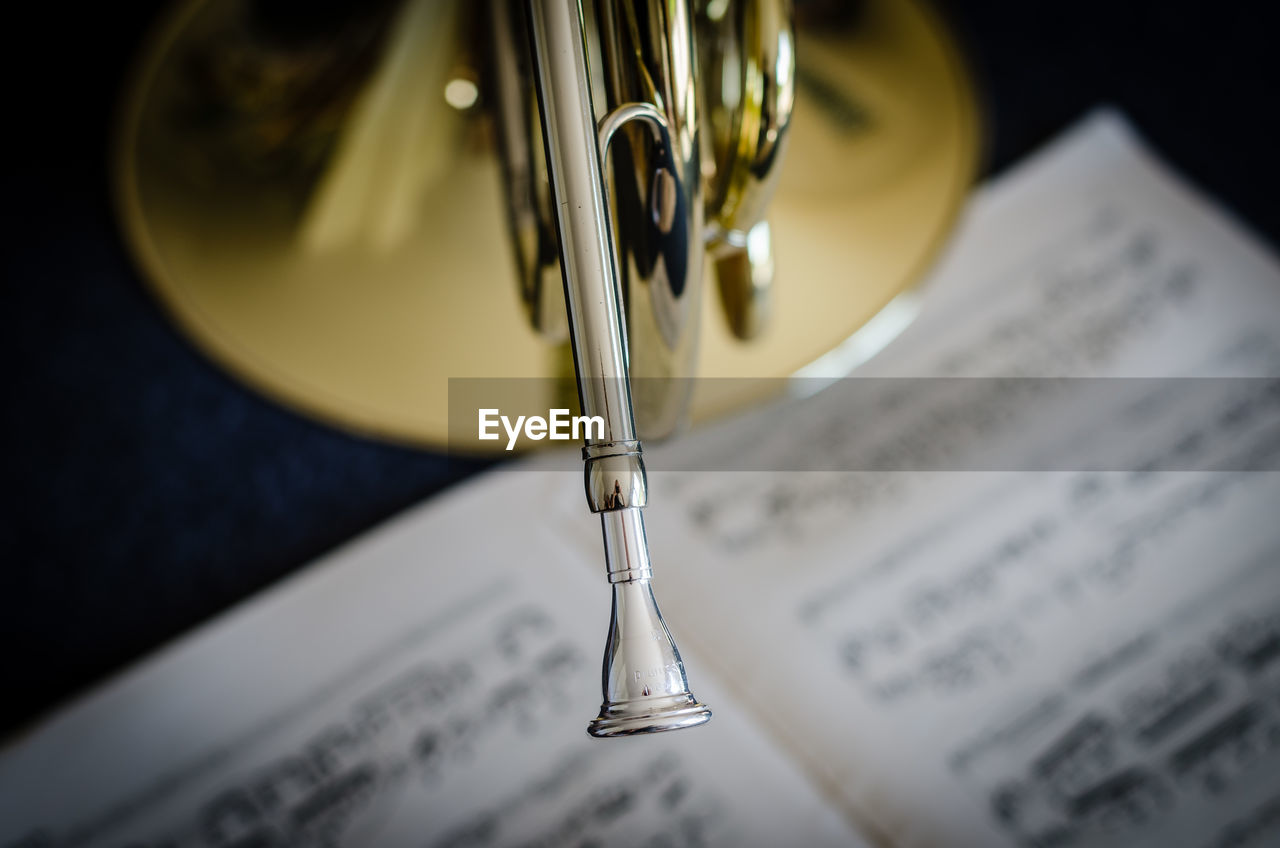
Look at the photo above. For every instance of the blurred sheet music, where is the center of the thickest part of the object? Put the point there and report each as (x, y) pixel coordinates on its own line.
(427, 686)
(1061, 657)
(999, 657)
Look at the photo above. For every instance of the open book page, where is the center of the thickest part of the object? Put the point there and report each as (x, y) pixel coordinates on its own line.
(1044, 649)
(1049, 648)
(429, 685)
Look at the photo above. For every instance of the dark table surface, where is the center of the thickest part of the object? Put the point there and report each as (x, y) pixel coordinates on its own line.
(146, 490)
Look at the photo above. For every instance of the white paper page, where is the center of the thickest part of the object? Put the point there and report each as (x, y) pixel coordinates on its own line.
(1016, 657)
(428, 685)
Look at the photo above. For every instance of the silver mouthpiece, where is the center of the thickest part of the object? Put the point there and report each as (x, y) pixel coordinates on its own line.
(645, 688)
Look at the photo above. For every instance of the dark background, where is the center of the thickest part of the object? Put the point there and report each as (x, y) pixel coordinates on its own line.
(146, 491)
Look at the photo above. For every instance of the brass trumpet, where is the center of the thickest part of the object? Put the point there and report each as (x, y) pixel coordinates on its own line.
(322, 221)
(632, 269)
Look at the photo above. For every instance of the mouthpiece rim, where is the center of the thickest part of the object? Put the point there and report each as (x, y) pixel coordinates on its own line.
(620, 719)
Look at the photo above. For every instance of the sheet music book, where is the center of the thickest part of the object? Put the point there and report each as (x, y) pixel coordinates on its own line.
(1013, 654)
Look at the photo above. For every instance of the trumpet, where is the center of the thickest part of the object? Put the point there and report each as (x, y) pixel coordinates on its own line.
(632, 268)
(284, 180)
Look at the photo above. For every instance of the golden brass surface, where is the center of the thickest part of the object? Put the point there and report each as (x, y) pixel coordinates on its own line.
(358, 312)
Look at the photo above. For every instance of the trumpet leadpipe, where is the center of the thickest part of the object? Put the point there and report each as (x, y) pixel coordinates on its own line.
(643, 681)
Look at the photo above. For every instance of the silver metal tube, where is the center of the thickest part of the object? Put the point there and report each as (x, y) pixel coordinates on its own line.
(643, 680)
(592, 292)
(626, 552)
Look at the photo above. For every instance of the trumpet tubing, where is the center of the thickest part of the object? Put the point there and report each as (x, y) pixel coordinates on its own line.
(631, 259)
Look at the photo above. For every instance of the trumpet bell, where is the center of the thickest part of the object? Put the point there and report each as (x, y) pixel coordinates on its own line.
(348, 256)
